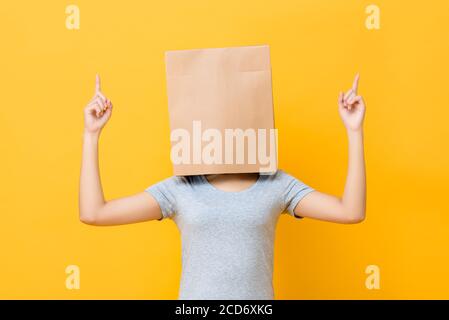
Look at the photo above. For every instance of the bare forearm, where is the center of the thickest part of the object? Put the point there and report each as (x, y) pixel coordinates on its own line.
(354, 196)
(91, 192)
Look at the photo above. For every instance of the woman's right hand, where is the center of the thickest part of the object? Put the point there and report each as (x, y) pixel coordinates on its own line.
(98, 110)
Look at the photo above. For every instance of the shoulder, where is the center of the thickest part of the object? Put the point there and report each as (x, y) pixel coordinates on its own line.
(279, 177)
(178, 182)
(283, 181)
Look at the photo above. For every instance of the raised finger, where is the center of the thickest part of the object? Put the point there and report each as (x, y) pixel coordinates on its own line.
(355, 84)
(97, 83)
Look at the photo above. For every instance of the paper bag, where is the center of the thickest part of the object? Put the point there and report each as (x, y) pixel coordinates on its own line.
(221, 110)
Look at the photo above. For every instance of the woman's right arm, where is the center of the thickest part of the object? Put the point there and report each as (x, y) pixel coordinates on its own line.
(94, 209)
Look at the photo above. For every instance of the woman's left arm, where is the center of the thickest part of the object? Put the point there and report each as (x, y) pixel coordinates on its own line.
(350, 208)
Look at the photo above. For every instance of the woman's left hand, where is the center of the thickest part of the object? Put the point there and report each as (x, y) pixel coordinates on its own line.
(352, 107)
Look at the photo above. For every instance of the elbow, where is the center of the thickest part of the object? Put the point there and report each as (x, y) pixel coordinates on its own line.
(354, 219)
(88, 219)
(91, 215)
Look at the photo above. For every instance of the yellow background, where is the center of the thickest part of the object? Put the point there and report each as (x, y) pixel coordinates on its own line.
(47, 76)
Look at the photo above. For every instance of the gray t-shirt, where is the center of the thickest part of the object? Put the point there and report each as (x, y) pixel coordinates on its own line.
(227, 237)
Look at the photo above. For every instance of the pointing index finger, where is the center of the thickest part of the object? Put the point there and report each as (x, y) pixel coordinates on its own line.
(97, 83)
(355, 84)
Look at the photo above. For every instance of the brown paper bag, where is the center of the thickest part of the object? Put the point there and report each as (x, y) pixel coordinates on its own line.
(221, 110)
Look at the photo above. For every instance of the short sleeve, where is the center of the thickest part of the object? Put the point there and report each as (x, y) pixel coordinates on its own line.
(164, 192)
(294, 191)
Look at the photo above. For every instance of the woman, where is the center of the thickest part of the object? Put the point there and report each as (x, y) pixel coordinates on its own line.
(227, 222)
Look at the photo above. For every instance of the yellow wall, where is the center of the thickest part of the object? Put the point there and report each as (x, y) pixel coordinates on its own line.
(47, 75)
